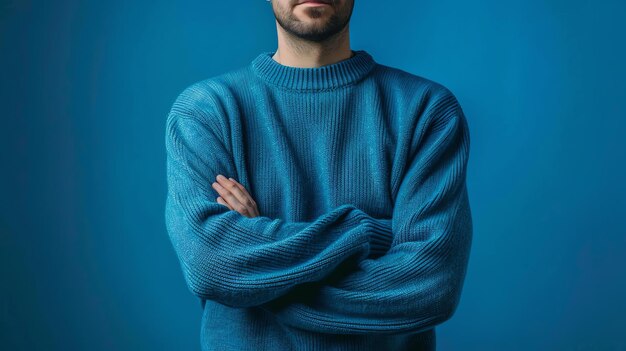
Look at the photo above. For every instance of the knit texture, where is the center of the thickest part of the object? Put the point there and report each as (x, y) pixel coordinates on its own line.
(358, 171)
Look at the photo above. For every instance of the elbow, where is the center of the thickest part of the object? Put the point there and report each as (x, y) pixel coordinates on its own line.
(442, 311)
(446, 308)
(440, 307)
(447, 311)
(204, 287)
(216, 287)
(198, 284)
(201, 275)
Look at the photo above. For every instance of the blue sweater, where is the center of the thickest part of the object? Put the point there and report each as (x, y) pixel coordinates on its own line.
(358, 172)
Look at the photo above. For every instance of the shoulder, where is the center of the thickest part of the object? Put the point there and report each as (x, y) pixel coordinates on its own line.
(209, 100)
(418, 99)
(206, 95)
(199, 104)
(413, 84)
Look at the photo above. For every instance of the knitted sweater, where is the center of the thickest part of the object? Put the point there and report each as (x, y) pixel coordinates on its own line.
(358, 172)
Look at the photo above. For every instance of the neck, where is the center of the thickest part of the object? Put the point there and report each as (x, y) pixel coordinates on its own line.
(327, 77)
(295, 52)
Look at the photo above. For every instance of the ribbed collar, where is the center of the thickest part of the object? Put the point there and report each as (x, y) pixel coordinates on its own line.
(315, 78)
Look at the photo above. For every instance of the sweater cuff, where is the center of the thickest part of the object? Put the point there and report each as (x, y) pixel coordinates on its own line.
(380, 235)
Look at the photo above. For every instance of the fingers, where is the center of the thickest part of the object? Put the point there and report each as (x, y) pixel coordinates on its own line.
(243, 190)
(252, 203)
(230, 198)
(234, 190)
(236, 196)
(221, 201)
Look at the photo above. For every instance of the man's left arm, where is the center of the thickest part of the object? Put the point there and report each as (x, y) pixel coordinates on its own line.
(417, 284)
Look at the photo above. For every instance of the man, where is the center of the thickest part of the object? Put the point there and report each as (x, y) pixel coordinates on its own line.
(316, 198)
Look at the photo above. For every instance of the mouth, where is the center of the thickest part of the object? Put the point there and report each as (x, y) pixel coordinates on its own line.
(314, 2)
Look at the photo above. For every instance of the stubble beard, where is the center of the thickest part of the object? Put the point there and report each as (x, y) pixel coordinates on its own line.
(313, 32)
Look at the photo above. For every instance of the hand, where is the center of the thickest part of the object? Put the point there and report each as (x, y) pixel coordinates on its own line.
(234, 196)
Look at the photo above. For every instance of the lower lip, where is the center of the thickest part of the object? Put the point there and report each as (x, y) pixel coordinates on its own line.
(314, 3)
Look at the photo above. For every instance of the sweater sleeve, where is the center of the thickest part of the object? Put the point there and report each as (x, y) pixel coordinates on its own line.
(241, 261)
(417, 283)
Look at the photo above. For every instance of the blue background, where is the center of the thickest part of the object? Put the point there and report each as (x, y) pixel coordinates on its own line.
(85, 88)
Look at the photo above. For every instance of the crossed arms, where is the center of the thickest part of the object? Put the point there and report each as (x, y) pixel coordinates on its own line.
(345, 271)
